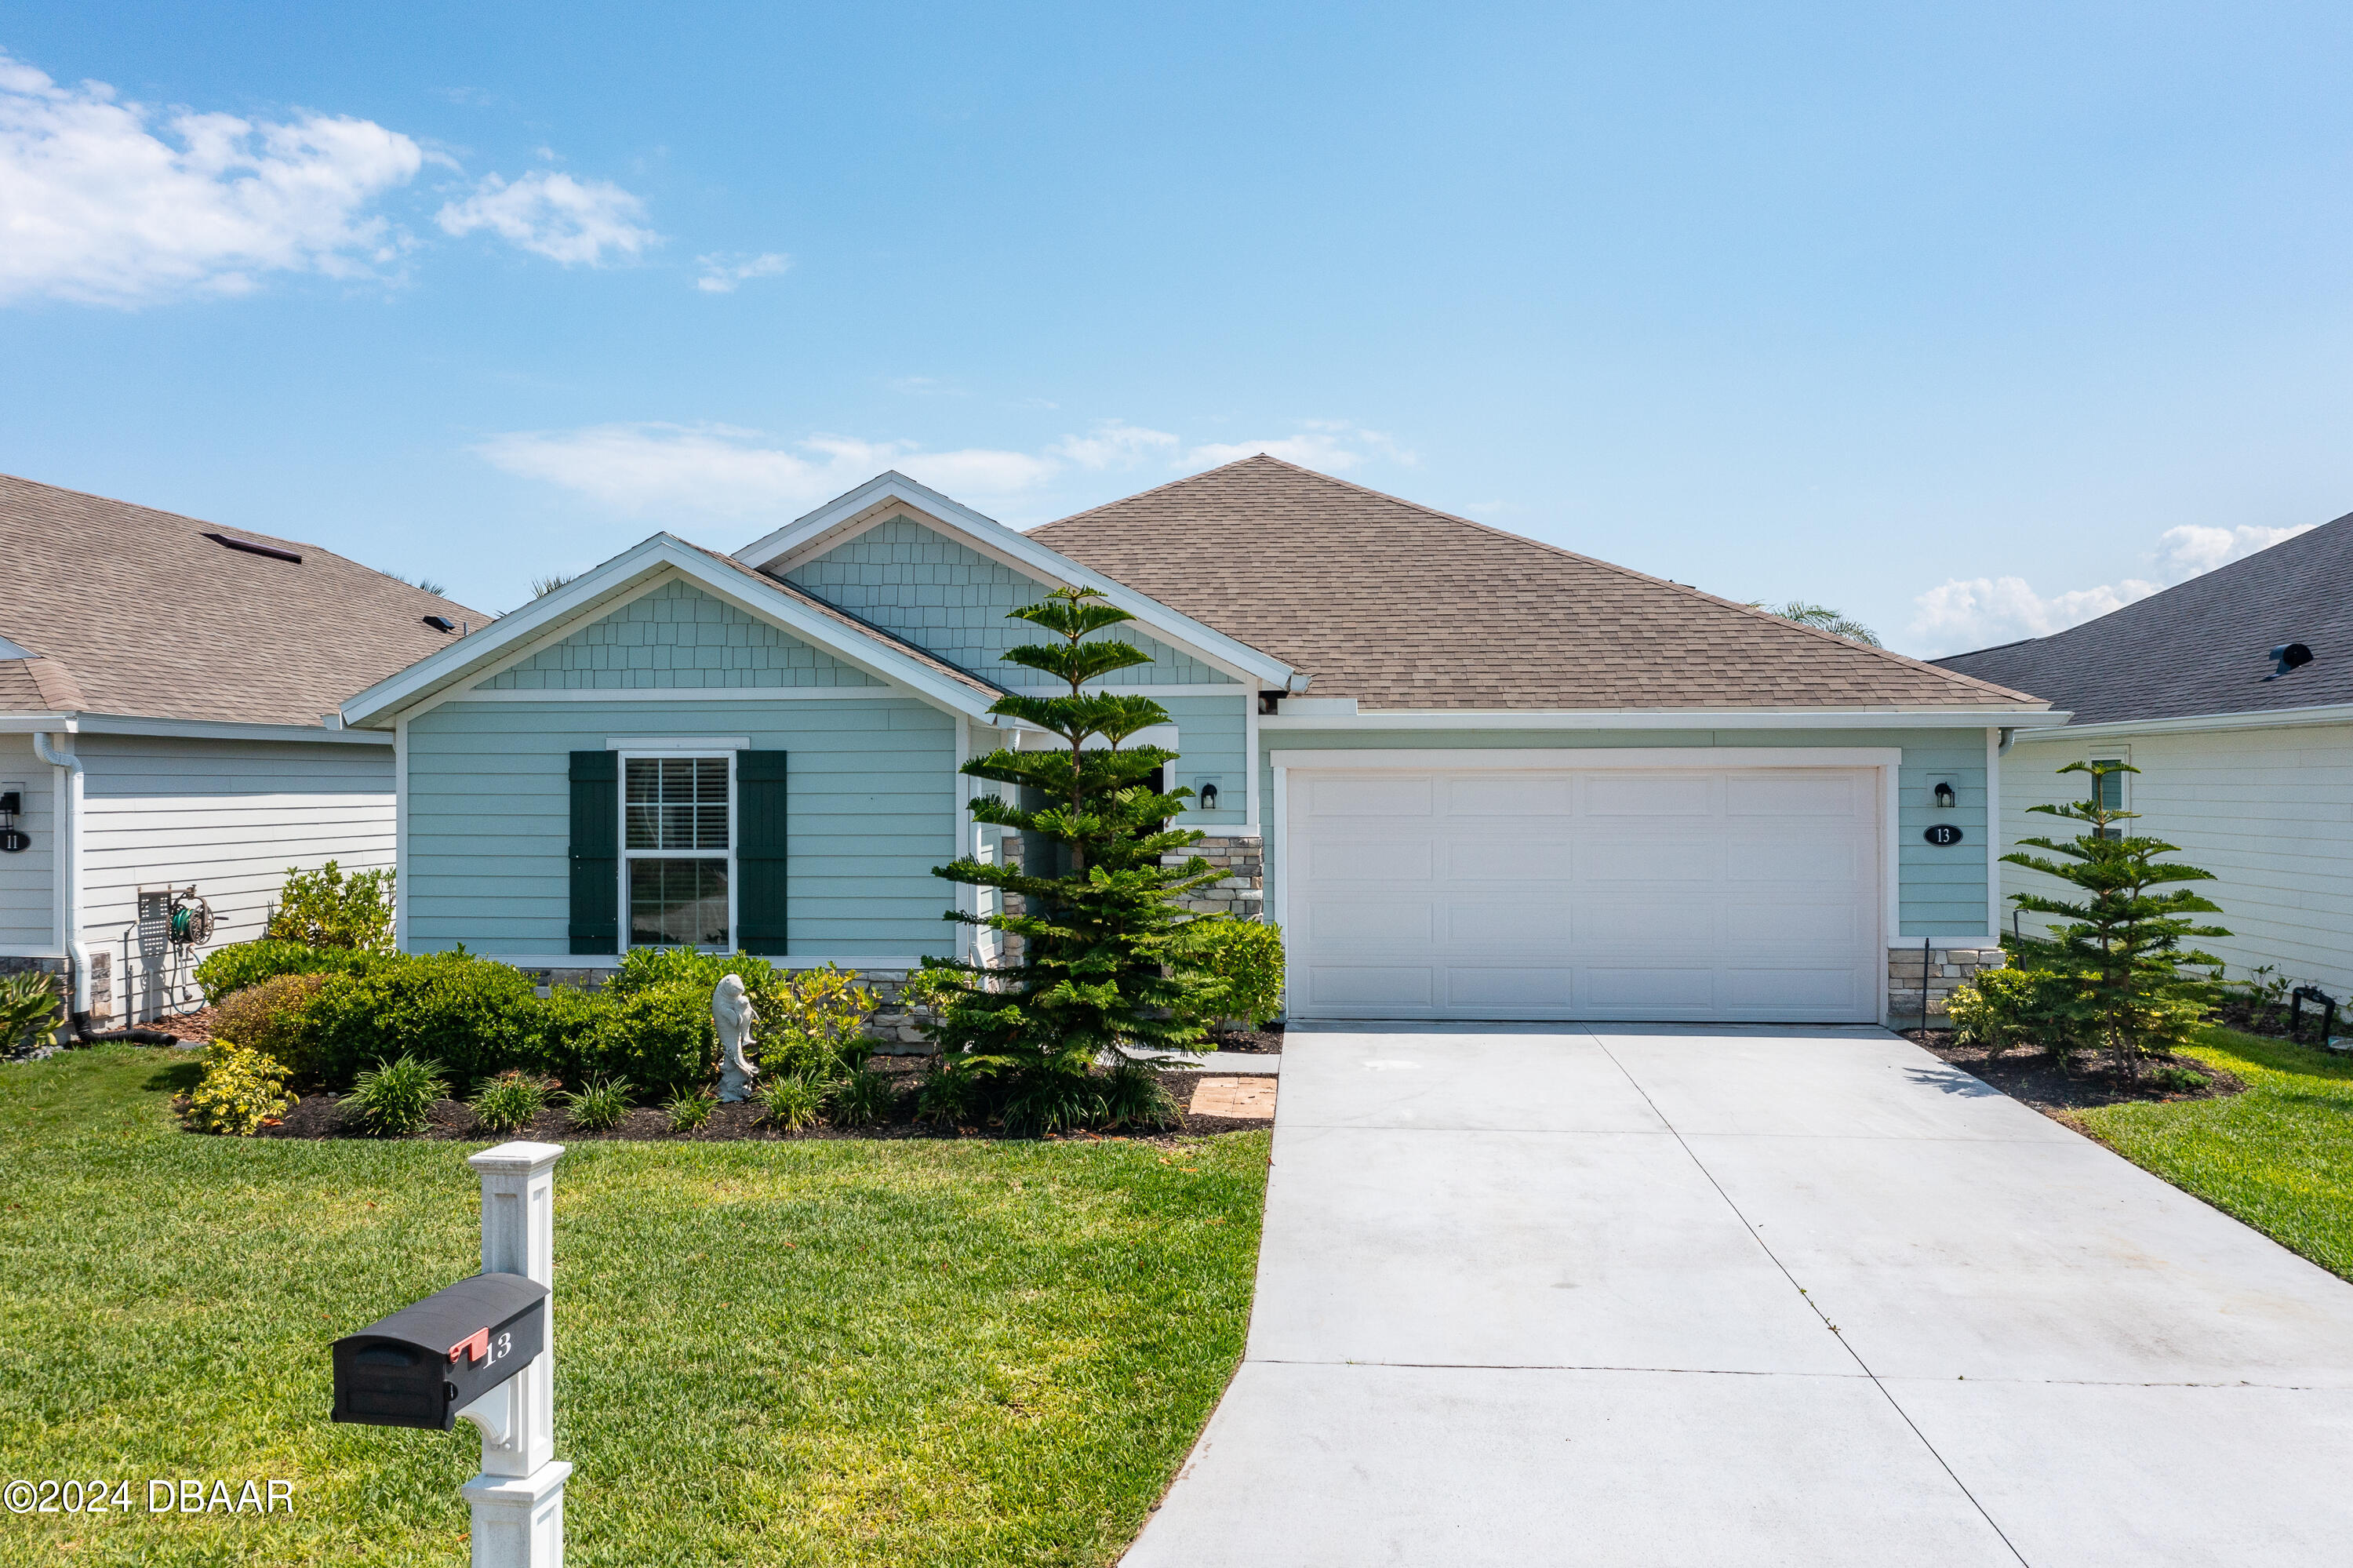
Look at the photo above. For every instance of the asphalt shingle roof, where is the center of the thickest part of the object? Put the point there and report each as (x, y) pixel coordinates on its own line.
(139, 613)
(1402, 607)
(2202, 647)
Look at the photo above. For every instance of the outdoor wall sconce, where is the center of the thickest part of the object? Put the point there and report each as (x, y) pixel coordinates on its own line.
(1208, 797)
(1945, 799)
(14, 840)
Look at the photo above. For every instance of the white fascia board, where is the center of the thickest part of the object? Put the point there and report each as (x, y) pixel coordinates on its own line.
(2276, 718)
(188, 729)
(1581, 758)
(849, 514)
(1668, 718)
(636, 569)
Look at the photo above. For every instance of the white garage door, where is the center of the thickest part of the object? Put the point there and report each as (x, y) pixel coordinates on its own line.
(1739, 894)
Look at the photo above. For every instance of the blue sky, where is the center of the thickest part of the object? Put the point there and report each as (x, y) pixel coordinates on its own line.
(1970, 321)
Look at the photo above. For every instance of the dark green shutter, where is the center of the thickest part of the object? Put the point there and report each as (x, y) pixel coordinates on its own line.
(596, 852)
(760, 852)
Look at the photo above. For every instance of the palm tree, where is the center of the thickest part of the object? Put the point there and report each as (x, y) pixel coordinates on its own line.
(542, 586)
(1822, 617)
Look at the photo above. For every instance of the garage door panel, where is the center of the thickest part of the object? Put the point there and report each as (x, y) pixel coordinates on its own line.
(1508, 860)
(1645, 862)
(1373, 796)
(1607, 893)
(1479, 989)
(1365, 858)
(1786, 795)
(1346, 986)
(1486, 926)
(1650, 795)
(1508, 795)
(1661, 991)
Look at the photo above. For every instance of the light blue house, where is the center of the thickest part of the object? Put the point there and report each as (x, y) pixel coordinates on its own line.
(1472, 776)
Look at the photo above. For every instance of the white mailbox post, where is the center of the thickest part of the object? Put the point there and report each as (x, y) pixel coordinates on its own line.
(518, 1499)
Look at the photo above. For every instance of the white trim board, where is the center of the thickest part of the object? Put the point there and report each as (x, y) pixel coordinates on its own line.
(1571, 759)
(187, 729)
(660, 743)
(667, 694)
(2280, 718)
(1667, 718)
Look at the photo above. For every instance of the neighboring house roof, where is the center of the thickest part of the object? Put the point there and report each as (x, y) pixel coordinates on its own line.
(1402, 607)
(143, 613)
(2202, 647)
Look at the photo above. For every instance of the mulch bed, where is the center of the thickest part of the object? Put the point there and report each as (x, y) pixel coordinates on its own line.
(1266, 1042)
(2031, 1077)
(322, 1116)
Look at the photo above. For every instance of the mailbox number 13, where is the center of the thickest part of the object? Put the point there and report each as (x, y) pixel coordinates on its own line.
(502, 1346)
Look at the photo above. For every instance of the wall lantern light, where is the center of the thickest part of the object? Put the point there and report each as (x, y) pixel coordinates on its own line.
(1208, 797)
(1945, 799)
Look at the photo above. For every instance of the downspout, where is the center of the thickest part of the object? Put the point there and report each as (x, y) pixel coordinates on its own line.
(68, 822)
(68, 816)
(2007, 737)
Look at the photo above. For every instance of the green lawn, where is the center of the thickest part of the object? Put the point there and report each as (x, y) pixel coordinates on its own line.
(2279, 1157)
(811, 1352)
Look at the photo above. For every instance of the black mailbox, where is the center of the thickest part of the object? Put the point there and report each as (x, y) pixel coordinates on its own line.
(423, 1364)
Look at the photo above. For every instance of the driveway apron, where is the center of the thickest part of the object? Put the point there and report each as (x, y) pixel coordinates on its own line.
(1651, 1295)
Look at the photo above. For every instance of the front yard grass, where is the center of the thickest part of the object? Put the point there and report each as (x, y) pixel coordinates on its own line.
(930, 1351)
(2279, 1156)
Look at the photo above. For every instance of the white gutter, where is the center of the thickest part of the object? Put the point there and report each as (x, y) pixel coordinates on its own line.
(2277, 718)
(191, 729)
(66, 814)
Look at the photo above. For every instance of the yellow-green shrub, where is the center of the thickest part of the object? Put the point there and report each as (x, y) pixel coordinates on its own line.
(1247, 956)
(271, 1018)
(2008, 1007)
(241, 1090)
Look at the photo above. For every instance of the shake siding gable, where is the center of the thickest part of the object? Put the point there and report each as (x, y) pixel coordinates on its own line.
(916, 583)
(677, 636)
(873, 810)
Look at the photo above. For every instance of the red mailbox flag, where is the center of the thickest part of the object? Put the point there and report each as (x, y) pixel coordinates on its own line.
(475, 1347)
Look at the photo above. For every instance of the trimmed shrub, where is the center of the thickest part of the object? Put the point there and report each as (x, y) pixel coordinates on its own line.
(660, 1037)
(241, 1092)
(391, 1098)
(228, 970)
(30, 1002)
(1246, 956)
(325, 908)
(273, 1019)
(598, 1104)
(510, 1102)
(2004, 1008)
(471, 1017)
(812, 1022)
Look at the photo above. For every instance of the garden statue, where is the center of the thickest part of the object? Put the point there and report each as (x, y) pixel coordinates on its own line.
(730, 1010)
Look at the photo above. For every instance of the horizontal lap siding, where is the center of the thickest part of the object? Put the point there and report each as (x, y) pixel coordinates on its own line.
(229, 817)
(27, 888)
(1943, 891)
(1212, 739)
(2269, 811)
(870, 809)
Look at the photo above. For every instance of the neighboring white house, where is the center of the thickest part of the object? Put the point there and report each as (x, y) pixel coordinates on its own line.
(2245, 758)
(163, 683)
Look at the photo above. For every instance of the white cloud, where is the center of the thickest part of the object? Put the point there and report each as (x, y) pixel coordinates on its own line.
(722, 272)
(1333, 446)
(554, 214)
(1961, 614)
(720, 470)
(1115, 444)
(111, 203)
(717, 471)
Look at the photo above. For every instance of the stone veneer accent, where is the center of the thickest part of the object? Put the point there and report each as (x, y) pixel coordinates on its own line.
(1947, 967)
(1242, 890)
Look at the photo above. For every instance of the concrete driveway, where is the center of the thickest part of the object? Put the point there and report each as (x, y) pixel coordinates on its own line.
(1646, 1295)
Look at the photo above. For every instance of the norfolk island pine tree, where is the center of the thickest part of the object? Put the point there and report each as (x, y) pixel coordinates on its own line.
(2122, 939)
(1109, 961)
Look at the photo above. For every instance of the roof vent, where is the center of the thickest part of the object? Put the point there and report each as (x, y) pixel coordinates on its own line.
(440, 623)
(2291, 656)
(251, 548)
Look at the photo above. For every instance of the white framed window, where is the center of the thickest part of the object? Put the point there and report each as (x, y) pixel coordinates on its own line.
(2115, 789)
(677, 850)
